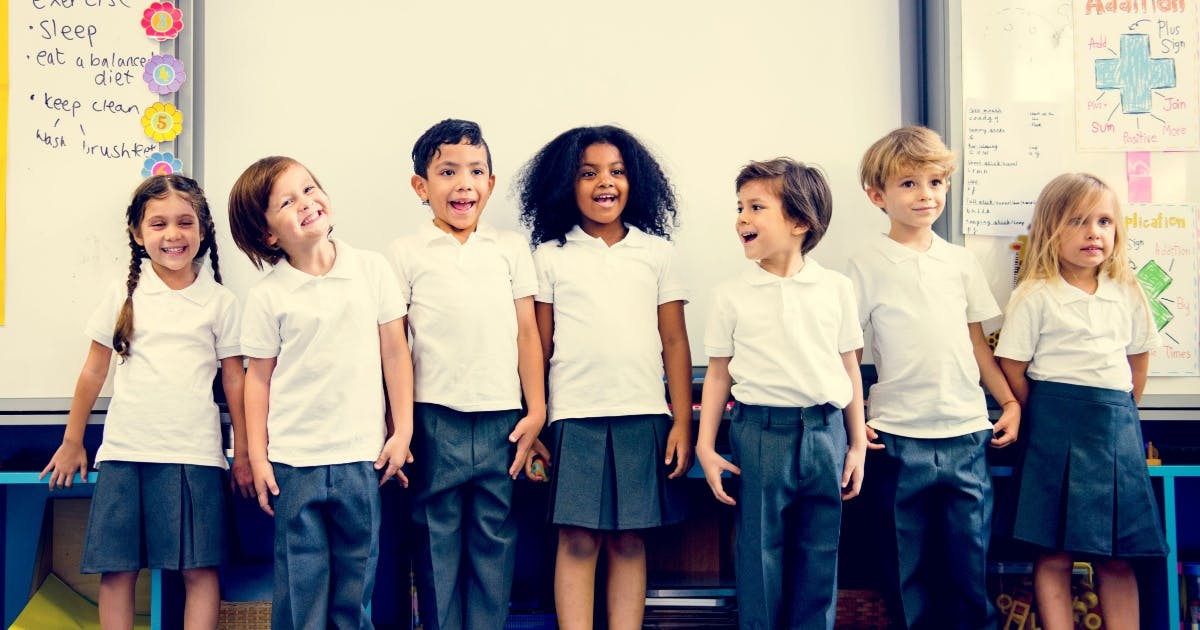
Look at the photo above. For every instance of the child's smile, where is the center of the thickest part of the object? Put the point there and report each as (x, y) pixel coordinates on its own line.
(298, 210)
(457, 187)
(170, 234)
(601, 189)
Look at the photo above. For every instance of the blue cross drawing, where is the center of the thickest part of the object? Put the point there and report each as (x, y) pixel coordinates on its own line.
(1134, 73)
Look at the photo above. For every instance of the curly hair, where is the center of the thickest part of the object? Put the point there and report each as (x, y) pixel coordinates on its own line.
(546, 185)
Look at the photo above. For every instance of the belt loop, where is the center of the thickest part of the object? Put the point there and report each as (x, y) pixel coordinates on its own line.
(766, 421)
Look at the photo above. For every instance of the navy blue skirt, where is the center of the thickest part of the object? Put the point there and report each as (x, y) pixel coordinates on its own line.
(1081, 477)
(157, 516)
(609, 474)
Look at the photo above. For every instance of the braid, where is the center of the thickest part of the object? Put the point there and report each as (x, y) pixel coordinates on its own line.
(210, 236)
(123, 332)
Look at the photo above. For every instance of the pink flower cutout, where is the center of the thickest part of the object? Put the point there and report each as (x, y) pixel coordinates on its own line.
(162, 21)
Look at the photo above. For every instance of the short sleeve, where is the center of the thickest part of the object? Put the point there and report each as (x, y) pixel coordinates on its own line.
(227, 328)
(542, 263)
(671, 287)
(981, 304)
(260, 326)
(1144, 335)
(524, 278)
(1022, 326)
(392, 304)
(718, 333)
(858, 280)
(399, 263)
(850, 336)
(103, 321)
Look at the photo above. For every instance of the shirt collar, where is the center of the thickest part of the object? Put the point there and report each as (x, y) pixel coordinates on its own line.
(293, 278)
(809, 274)
(633, 238)
(199, 291)
(1065, 293)
(431, 233)
(939, 249)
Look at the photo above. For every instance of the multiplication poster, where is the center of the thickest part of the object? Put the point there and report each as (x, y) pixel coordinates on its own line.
(1163, 246)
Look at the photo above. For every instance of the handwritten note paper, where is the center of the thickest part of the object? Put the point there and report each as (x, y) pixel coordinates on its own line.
(1163, 249)
(1011, 151)
(1137, 83)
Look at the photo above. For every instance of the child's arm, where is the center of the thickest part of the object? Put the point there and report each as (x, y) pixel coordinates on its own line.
(258, 396)
(530, 367)
(677, 363)
(71, 457)
(544, 314)
(871, 434)
(1014, 372)
(856, 429)
(1139, 364)
(1004, 432)
(398, 380)
(713, 398)
(233, 381)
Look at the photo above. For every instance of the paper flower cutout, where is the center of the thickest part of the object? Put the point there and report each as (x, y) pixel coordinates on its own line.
(162, 122)
(161, 164)
(162, 21)
(163, 74)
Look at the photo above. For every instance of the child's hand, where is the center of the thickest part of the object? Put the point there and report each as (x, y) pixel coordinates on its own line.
(852, 472)
(871, 437)
(524, 435)
(679, 449)
(70, 458)
(241, 477)
(713, 465)
(537, 453)
(1004, 432)
(264, 482)
(395, 454)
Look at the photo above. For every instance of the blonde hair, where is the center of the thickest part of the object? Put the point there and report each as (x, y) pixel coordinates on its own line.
(1067, 197)
(902, 148)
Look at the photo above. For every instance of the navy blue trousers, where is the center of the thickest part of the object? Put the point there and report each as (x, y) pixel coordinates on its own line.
(465, 535)
(789, 515)
(326, 546)
(939, 492)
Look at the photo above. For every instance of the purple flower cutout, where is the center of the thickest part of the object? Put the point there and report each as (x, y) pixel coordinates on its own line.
(163, 74)
(161, 164)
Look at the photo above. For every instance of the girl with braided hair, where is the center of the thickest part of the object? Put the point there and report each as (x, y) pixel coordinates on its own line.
(159, 500)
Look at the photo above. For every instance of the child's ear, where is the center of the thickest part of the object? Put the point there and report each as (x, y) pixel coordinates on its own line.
(799, 229)
(270, 239)
(876, 197)
(421, 187)
(137, 236)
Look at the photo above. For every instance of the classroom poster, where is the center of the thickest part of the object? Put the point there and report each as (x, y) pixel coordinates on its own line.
(1008, 150)
(1137, 80)
(1164, 250)
(3, 147)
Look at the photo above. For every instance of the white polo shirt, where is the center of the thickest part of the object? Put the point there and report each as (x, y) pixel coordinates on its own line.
(1071, 337)
(162, 408)
(607, 357)
(919, 304)
(785, 336)
(461, 314)
(326, 400)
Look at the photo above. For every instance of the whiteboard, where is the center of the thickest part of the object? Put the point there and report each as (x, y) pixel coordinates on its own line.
(75, 153)
(1022, 50)
(347, 89)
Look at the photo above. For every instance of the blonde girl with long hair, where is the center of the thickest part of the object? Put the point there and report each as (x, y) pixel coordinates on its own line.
(1075, 348)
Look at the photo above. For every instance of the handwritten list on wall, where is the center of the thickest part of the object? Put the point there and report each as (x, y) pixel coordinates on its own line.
(1009, 153)
(75, 143)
